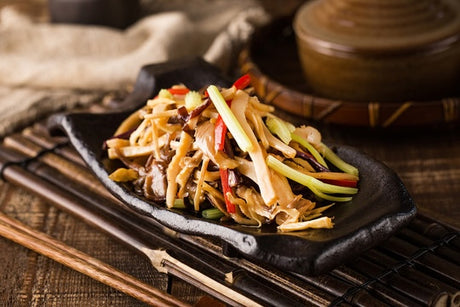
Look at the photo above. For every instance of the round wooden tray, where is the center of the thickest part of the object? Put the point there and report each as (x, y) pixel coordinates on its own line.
(271, 60)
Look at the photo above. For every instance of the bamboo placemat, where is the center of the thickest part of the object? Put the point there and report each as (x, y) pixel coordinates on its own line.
(419, 266)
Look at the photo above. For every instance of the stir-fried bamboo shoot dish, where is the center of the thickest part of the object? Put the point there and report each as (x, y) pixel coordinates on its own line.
(223, 153)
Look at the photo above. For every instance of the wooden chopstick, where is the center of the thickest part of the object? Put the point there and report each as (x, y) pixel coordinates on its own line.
(17, 175)
(83, 263)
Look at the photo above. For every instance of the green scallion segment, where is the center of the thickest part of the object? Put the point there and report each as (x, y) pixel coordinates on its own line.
(280, 128)
(338, 162)
(319, 188)
(179, 203)
(192, 100)
(330, 197)
(212, 214)
(302, 141)
(164, 93)
(229, 119)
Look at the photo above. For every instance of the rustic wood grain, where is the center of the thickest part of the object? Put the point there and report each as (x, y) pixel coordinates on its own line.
(402, 139)
(427, 160)
(54, 249)
(34, 279)
(372, 140)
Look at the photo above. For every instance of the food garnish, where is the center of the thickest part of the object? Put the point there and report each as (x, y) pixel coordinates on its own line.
(223, 153)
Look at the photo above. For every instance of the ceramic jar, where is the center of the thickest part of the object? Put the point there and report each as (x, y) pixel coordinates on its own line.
(380, 50)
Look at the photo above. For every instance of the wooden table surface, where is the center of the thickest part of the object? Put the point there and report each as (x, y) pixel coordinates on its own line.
(427, 160)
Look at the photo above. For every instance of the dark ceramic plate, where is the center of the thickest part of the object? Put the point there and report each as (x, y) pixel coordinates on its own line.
(382, 205)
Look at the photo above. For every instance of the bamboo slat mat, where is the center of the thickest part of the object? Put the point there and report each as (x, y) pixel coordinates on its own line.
(419, 266)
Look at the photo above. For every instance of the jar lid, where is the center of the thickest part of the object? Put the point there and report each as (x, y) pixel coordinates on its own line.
(379, 26)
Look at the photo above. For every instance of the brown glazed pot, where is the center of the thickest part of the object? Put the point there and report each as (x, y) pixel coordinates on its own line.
(380, 50)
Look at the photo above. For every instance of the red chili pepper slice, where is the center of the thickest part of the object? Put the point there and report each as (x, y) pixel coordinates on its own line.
(242, 82)
(219, 134)
(341, 182)
(178, 90)
(226, 189)
(220, 131)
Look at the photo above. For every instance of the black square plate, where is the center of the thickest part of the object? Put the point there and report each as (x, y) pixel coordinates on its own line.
(381, 206)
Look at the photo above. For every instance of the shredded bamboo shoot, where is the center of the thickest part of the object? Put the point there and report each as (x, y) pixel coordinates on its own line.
(176, 148)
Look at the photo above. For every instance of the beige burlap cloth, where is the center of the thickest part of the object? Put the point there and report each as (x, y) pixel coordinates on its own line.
(43, 65)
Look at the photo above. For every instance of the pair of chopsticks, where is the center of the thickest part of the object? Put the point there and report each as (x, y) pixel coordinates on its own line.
(77, 260)
(83, 263)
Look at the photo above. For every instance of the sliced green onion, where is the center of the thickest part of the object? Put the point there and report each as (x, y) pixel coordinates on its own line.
(330, 197)
(337, 161)
(280, 128)
(192, 100)
(304, 142)
(229, 119)
(179, 203)
(317, 187)
(164, 93)
(212, 214)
